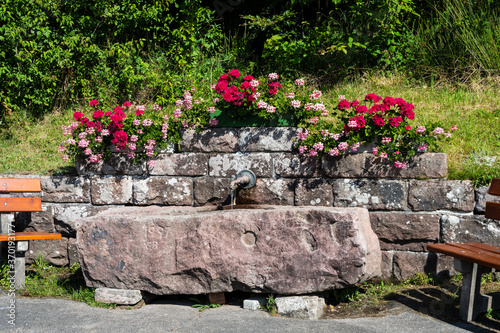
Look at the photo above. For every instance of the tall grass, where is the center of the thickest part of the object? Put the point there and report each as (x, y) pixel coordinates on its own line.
(461, 37)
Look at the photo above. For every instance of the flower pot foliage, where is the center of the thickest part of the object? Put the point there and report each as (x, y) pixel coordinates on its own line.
(384, 122)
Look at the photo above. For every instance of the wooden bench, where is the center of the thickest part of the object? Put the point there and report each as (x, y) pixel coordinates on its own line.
(473, 259)
(18, 242)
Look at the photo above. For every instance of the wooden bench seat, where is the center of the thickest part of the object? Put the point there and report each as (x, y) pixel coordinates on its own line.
(8, 234)
(473, 259)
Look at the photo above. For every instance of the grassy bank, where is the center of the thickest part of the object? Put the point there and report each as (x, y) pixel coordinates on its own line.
(31, 146)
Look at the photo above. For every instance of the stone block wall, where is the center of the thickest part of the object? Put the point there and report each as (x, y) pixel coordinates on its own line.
(408, 208)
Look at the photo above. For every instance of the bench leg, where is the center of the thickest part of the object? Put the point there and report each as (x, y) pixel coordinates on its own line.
(21, 248)
(472, 302)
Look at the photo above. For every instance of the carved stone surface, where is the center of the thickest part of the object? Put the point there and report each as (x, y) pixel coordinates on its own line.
(210, 190)
(405, 231)
(436, 194)
(111, 190)
(267, 138)
(118, 296)
(313, 192)
(294, 165)
(163, 191)
(470, 228)
(268, 191)
(431, 165)
(227, 165)
(222, 140)
(188, 164)
(482, 196)
(186, 250)
(65, 189)
(371, 194)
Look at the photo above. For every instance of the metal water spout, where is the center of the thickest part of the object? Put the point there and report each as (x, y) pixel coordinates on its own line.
(244, 179)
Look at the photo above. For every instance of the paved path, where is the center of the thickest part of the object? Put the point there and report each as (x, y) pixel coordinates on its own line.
(56, 315)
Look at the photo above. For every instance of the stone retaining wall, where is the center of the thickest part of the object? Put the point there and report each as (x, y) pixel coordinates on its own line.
(408, 208)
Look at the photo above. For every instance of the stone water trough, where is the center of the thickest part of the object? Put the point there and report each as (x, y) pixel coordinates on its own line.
(198, 250)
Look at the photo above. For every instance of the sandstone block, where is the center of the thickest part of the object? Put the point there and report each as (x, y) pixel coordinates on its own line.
(407, 264)
(117, 296)
(120, 164)
(111, 190)
(313, 192)
(300, 307)
(432, 195)
(481, 197)
(227, 165)
(221, 140)
(371, 194)
(161, 190)
(65, 189)
(268, 191)
(65, 216)
(54, 251)
(405, 231)
(72, 252)
(386, 265)
(294, 165)
(187, 164)
(36, 221)
(470, 228)
(188, 250)
(210, 190)
(253, 139)
(430, 165)
(85, 167)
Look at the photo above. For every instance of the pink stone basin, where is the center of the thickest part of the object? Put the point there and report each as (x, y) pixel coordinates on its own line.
(196, 250)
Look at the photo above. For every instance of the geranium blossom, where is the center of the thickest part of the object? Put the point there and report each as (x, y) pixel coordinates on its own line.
(273, 76)
(299, 82)
(295, 103)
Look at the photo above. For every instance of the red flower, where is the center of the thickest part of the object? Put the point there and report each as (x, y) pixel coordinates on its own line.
(394, 121)
(93, 102)
(248, 78)
(118, 109)
(117, 116)
(360, 109)
(378, 120)
(407, 128)
(372, 97)
(344, 104)
(78, 115)
(234, 73)
(127, 104)
(138, 112)
(98, 114)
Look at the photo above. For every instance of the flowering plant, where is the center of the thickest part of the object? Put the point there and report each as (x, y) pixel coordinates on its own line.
(265, 97)
(137, 132)
(385, 122)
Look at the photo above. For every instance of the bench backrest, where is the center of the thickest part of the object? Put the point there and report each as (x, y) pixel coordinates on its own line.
(20, 185)
(493, 208)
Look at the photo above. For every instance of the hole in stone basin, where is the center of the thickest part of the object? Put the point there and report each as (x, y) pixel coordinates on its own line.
(249, 238)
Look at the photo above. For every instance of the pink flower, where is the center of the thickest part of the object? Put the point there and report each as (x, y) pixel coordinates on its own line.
(213, 122)
(454, 128)
(290, 95)
(126, 104)
(319, 107)
(134, 138)
(399, 165)
(422, 147)
(147, 122)
(420, 129)
(61, 148)
(343, 105)
(98, 114)
(87, 151)
(315, 95)
(295, 104)
(303, 135)
(271, 109)
(333, 152)
(151, 163)
(138, 112)
(343, 146)
(302, 149)
(254, 83)
(299, 82)
(105, 132)
(273, 76)
(261, 104)
(177, 113)
(313, 153)
(93, 102)
(378, 120)
(372, 97)
(386, 140)
(375, 150)
(136, 122)
(318, 146)
(314, 120)
(211, 109)
(341, 98)
(65, 158)
(438, 130)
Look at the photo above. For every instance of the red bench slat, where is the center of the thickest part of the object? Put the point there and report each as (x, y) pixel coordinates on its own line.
(465, 253)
